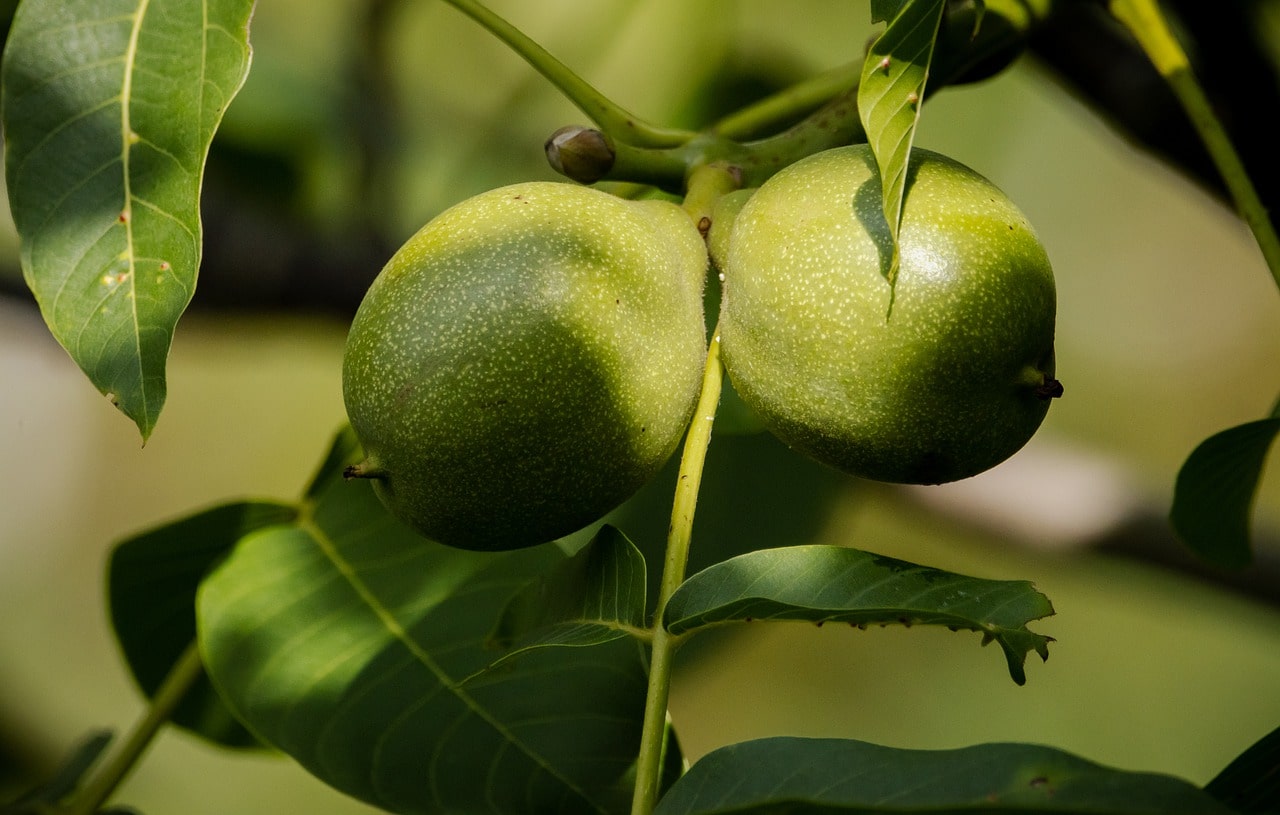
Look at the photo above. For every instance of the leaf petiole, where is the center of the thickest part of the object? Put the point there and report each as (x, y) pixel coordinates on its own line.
(789, 104)
(611, 118)
(1145, 21)
(185, 672)
(653, 734)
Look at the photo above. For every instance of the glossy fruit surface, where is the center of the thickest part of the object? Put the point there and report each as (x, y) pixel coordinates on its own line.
(944, 377)
(526, 361)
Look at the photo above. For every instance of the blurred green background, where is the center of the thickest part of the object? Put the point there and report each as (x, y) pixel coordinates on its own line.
(1169, 330)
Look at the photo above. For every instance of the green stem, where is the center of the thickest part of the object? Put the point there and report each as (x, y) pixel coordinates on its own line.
(184, 673)
(834, 124)
(612, 119)
(1144, 20)
(707, 184)
(652, 737)
(784, 107)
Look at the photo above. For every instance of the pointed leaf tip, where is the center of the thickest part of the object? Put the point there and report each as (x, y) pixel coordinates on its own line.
(894, 76)
(105, 146)
(833, 583)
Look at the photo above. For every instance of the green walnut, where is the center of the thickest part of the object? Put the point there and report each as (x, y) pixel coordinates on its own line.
(944, 374)
(526, 362)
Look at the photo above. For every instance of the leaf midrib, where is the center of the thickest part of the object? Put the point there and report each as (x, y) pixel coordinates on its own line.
(397, 631)
(126, 212)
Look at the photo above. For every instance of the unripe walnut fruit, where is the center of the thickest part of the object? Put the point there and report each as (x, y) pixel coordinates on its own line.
(526, 362)
(939, 377)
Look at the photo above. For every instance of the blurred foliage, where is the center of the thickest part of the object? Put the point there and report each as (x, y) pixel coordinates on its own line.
(324, 166)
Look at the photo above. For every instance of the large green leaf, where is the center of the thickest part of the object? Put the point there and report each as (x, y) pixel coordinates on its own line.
(347, 641)
(1251, 783)
(892, 89)
(596, 596)
(109, 107)
(151, 587)
(834, 584)
(790, 776)
(1214, 494)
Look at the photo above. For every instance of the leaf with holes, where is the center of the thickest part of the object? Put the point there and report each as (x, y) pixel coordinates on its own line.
(109, 107)
(834, 584)
(894, 75)
(791, 776)
(348, 641)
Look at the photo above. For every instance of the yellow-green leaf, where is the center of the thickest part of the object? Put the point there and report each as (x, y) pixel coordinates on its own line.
(889, 97)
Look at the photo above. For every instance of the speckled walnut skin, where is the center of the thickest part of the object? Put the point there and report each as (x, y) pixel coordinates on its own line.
(527, 361)
(948, 382)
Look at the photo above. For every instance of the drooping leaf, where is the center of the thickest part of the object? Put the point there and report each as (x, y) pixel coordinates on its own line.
(894, 76)
(790, 776)
(1250, 784)
(833, 584)
(152, 580)
(346, 640)
(596, 596)
(1214, 494)
(109, 107)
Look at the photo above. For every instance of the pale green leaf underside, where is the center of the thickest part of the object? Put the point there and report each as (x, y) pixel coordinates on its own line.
(596, 596)
(360, 650)
(109, 107)
(790, 776)
(1214, 494)
(889, 97)
(834, 584)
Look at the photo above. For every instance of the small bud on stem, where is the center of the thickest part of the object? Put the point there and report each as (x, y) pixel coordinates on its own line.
(580, 153)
